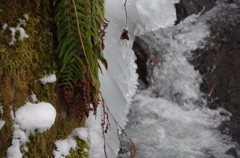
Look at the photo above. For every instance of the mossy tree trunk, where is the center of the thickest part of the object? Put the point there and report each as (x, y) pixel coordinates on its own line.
(22, 65)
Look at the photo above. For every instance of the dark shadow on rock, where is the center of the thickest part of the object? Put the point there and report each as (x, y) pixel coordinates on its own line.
(186, 8)
(141, 61)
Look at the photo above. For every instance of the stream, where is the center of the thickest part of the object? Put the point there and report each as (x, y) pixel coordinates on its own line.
(170, 117)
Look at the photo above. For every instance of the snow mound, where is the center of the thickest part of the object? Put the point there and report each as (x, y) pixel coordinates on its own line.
(29, 118)
(40, 116)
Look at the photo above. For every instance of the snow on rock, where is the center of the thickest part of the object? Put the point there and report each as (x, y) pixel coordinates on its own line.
(33, 97)
(155, 14)
(22, 33)
(119, 82)
(20, 134)
(13, 32)
(14, 150)
(18, 28)
(29, 118)
(2, 122)
(82, 133)
(48, 79)
(64, 146)
(40, 116)
(26, 16)
(4, 27)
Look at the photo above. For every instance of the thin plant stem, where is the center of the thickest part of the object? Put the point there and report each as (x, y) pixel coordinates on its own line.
(125, 12)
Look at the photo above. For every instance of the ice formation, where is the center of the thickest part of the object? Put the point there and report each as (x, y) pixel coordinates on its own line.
(119, 82)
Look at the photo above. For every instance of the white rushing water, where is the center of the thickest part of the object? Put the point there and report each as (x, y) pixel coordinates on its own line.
(170, 118)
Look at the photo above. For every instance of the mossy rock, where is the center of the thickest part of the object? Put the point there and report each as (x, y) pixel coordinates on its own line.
(81, 151)
(21, 67)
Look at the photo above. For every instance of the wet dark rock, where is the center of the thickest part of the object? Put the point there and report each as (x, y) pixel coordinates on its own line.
(141, 61)
(219, 64)
(145, 61)
(230, 1)
(232, 152)
(186, 8)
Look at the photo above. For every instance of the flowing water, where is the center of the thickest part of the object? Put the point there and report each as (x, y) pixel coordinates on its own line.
(170, 118)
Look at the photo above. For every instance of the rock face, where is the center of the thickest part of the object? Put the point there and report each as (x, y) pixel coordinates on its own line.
(219, 63)
(184, 9)
(142, 57)
(188, 7)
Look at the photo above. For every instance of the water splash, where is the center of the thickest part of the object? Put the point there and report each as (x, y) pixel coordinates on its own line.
(170, 118)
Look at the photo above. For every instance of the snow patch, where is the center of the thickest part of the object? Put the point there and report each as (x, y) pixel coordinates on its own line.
(33, 97)
(82, 133)
(22, 33)
(28, 119)
(154, 14)
(19, 134)
(13, 33)
(26, 16)
(18, 28)
(48, 79)
(4, 27)
(40, 116)
(64, 146)
(2, 122)
(14, 150)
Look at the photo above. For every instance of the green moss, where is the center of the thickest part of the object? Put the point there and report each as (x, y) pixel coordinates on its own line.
(33, 150)
(6, 131)
(2, 48)
(81, 150)
(26, 60)
(24, 63)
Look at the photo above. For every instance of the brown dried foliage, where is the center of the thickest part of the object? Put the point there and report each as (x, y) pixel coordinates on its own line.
(103, 32)
(80, 99)
(125, 35)
(105, 127)
(105, 122)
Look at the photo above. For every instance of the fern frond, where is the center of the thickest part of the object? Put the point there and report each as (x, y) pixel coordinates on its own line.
(79, 48)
